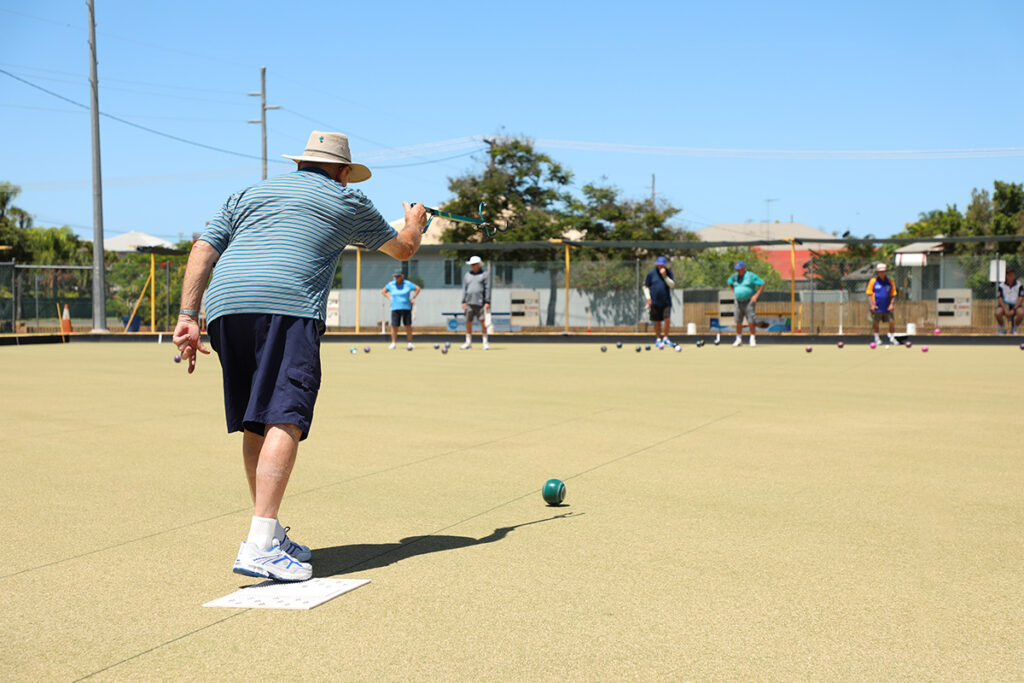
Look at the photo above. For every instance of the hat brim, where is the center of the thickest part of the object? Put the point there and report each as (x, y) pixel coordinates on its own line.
(358, 174)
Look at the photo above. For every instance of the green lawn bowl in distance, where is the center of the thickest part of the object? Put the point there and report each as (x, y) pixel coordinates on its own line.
(553, 492)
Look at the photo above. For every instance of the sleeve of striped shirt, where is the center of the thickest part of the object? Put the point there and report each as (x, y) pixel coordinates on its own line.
(218, 231)
(370, 229)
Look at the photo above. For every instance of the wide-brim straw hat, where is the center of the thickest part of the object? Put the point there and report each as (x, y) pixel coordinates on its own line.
(332, 148)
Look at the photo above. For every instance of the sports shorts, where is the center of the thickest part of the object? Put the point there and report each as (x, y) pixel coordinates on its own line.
(745, 309)
(659, 313)
(271, 369)
(475, 311)
(881, 316)
(402, 316)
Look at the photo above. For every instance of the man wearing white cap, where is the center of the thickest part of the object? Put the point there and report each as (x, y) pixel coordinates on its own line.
(476, 299)
(273, 249)
(881, 293)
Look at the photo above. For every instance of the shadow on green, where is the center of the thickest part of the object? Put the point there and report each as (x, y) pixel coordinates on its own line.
(342, 559)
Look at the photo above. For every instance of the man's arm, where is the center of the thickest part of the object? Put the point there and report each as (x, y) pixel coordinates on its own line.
(667, 277)
(404, 245)
(487, 292)
(757, 294)
(871, 294)
(386, 293)
(197, 275)
(417, 292)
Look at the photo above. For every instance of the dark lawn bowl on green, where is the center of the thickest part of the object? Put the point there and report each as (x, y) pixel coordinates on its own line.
(553, 492)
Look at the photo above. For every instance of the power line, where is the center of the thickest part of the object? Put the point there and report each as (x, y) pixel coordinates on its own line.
(135, 125)
(433, 161)
(807, 154)
(125, 39)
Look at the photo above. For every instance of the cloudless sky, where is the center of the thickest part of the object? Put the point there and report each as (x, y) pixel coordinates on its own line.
(418, 85)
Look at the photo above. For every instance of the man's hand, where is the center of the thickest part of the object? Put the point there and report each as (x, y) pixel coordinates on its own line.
(188, 340)
(415, 216)
(463, 307)
(487, 307)
(649, 303)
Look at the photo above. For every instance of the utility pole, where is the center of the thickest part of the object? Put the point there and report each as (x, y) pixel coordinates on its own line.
(490, 152)
(262, 120)
(652, 192)
(99, 285)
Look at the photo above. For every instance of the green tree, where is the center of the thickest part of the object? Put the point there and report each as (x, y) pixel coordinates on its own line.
(13, 221)
(524, 187)
(712, 267)
(1008, 217)
(519, 185)
(602, 214)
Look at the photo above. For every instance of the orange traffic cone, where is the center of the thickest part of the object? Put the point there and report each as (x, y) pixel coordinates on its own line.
(65, 321)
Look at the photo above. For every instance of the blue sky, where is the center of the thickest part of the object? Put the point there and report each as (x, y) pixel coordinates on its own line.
(618, 91)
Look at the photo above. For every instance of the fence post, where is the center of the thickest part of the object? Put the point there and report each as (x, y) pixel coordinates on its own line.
(636, 293)
(812, 295)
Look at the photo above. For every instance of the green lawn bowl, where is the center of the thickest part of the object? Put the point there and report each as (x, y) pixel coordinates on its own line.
(553, 492)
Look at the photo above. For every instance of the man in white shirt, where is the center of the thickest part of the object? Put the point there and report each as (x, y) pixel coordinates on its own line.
(1010, 303)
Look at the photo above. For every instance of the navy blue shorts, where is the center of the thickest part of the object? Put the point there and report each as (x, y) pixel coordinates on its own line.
(659, 313)
(401, 316)
(271, 368)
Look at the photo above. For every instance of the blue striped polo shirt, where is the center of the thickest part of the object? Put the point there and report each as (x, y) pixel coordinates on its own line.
(279, 243)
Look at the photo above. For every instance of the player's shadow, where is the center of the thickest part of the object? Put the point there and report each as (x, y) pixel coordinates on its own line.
(358, 557)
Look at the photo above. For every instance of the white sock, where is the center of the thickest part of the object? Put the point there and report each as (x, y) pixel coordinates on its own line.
(485, 338)
(752, 337)
(261, 532)
(739, 337)
(469, 339)
(279, 533)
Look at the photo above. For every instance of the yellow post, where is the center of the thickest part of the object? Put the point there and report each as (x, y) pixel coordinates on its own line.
(359, 281)
(152, 292)
(138, 301)
(792, 278)
(566, 287)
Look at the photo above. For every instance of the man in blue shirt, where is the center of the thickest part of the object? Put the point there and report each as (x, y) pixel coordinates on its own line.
(272, 250)
(658, 291)
(746, 287)
(402, 295)
(881, 296)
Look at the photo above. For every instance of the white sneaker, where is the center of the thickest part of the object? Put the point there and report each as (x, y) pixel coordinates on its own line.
(667, 342)
(892, 340)
(486, 346)
(409, 346)
(753, 342)
(467, 345)
(391, 345)
(273, 564)
(878, 339)
(1002, 330)
(738, 342)
(300, 552)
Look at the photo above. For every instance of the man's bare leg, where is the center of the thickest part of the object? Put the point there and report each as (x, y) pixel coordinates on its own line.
(276, 459)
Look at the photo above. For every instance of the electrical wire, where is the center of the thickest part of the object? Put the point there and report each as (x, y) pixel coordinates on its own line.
(135, 125)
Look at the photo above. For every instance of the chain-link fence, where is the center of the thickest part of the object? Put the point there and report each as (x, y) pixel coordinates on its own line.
(33, 298)
(828, 294)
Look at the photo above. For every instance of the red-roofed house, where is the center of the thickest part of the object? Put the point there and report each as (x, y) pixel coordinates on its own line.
(778, 255)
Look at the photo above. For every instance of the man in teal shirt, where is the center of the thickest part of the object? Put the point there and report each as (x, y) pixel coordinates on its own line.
(747, 287)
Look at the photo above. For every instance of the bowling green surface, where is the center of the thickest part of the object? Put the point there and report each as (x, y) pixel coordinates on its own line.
(730, 513)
